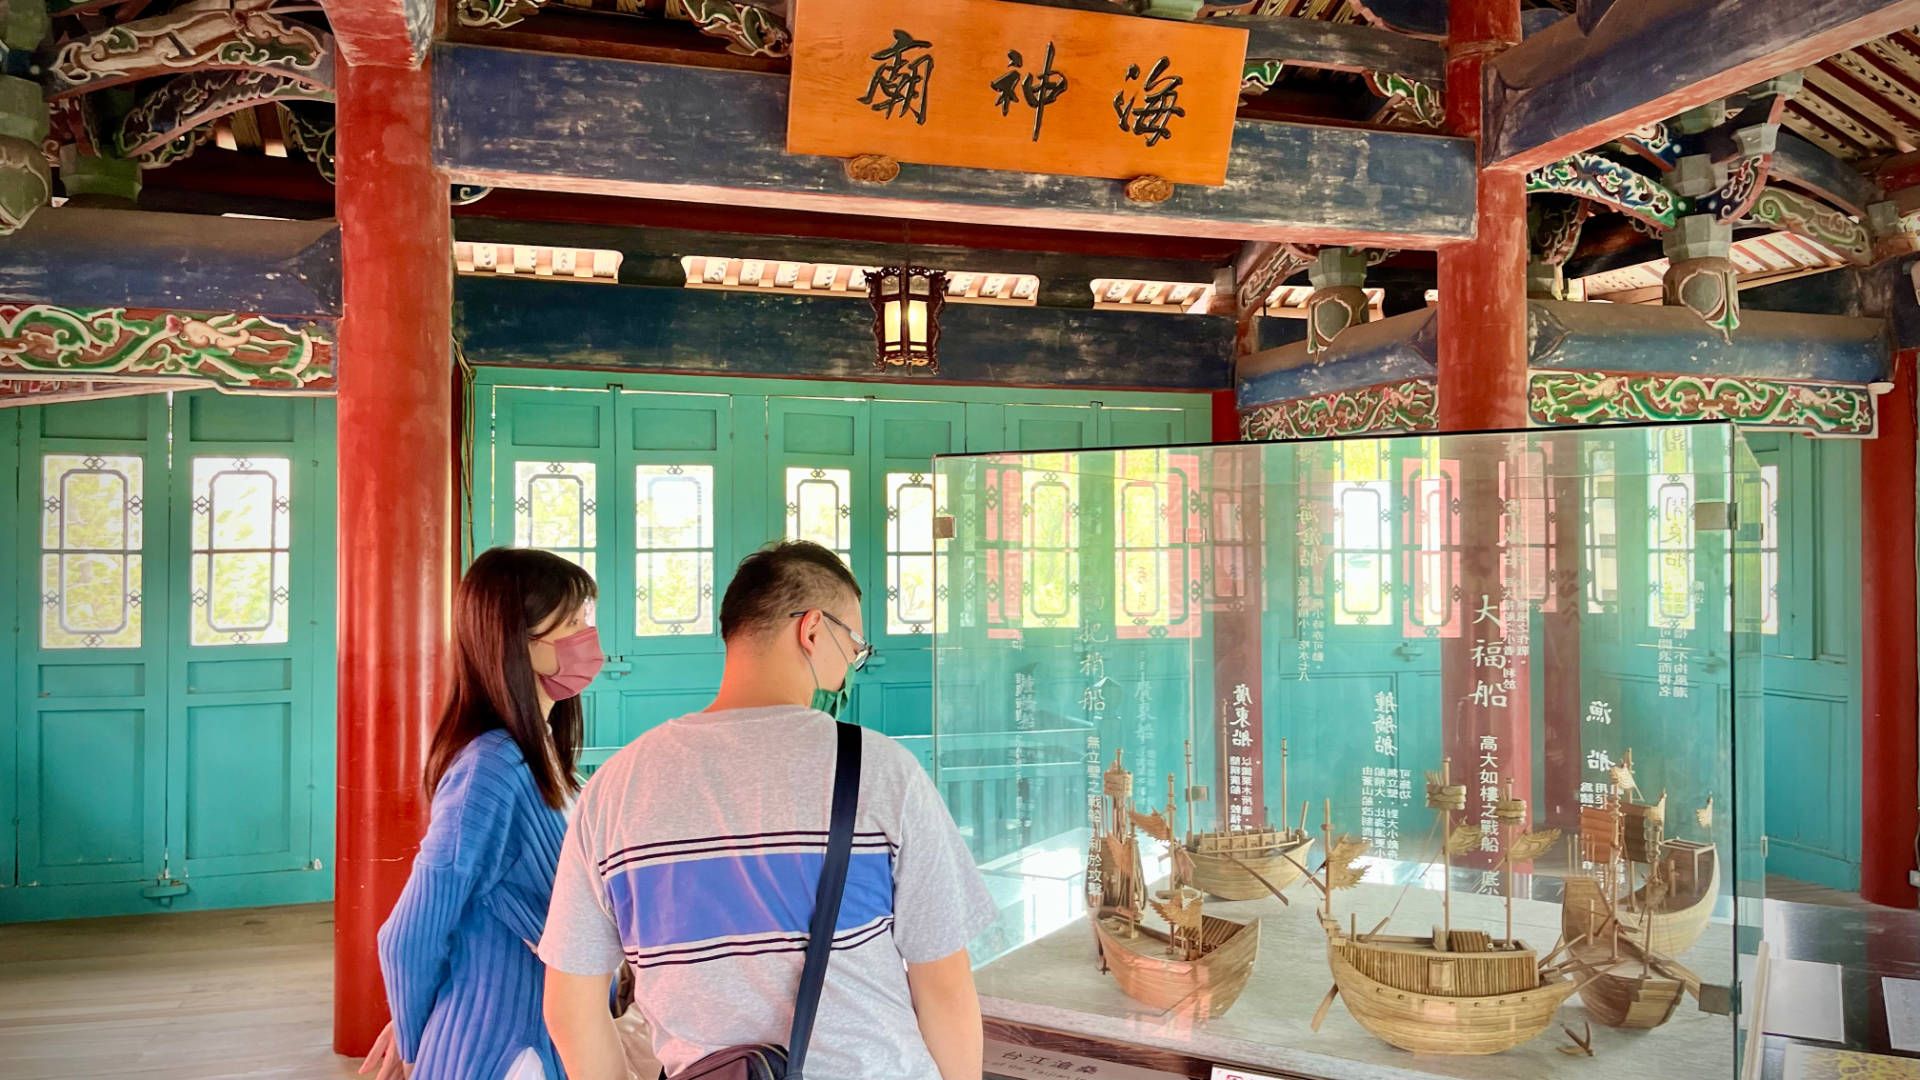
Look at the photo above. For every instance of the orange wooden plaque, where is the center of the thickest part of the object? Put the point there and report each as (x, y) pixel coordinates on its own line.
(937, 82)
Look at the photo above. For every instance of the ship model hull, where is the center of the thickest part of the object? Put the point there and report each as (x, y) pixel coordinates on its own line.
(1620, 989)
(1626, 995)
(1432, 1022)
(1682, 916)
(1231, 874)
(1204, 988)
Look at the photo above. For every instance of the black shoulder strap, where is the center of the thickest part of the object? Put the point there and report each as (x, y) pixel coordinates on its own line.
(826, 903)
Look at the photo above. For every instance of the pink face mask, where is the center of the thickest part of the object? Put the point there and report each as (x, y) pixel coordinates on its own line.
(579, 660)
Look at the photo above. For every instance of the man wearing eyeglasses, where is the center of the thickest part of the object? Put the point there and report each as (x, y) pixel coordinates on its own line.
(694, 855)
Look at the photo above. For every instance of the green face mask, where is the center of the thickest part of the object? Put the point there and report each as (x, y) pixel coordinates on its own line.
(834, 702)
(831, 702)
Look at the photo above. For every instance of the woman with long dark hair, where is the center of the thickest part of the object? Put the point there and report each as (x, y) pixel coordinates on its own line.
(463, 983)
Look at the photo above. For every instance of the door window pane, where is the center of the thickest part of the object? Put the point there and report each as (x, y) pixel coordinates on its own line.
(1362, 551)
(820, 509)
(1051, 555)
(554, 508)
(1770, 549)
(242, 550)
(1603, 533)
(1156, 568)
(1670, 497)
(90, 541)
(1433, 555)
(673, 550)
(916, 562)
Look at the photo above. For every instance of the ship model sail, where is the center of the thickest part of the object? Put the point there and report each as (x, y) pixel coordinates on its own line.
(1200, 963)
(1455, 991)
(1669, 907)
(1625, 983)
(1246, 864)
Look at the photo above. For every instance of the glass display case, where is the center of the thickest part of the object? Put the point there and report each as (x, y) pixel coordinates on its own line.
(1408, 753)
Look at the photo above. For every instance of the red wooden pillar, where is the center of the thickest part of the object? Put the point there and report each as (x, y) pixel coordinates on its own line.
(1236, 604)
(1483, 384)
(1888, 671)
(1483, 283)
(396, 509)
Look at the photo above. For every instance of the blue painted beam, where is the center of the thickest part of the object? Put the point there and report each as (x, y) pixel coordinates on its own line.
(1394, 349)
(1562, 90)
(600, 126)
(191, 262)
(1801, 162)
(700, 331)
(1647, 338)
(1625, 338)
(1318, 43)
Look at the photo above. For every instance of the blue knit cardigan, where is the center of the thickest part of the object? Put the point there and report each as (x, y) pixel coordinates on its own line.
(463, 983)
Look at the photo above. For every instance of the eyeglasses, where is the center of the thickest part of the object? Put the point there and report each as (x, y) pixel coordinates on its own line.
(862, 649)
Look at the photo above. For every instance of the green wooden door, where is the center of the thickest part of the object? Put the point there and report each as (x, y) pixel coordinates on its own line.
(678, 537)
(553, 484)
(251, 538)
(904, 573)
(1810, 626)
(1655, 632)
(661, 485)
(173, 599)
(1361, 590)
(11, 629)
(92, 739)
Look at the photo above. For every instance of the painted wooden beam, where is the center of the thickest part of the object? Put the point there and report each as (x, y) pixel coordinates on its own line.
(597, 126)
(1561, 91)
(15, 393)
(178, 106)
(385, 33)
(1798, 161)
(1385, 45)
(652, 256)
(1316, 43)
(1590, 338)
(526, 323)
(1650, 338)
(202, 35)
(1402, 348)
(1427, 18)
(234, 351)
(77, 257)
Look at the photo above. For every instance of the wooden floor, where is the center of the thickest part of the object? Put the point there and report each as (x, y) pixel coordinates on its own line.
(201, 995)
(250, 994)
(1799, 892)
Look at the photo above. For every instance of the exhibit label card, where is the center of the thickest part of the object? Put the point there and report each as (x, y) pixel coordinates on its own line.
(1005, 1061)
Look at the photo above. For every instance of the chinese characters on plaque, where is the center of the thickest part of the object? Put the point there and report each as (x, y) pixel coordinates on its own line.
(1240, 803)
(1309, 602)
(1031, 89)
(1023, 725)
(1384, 789)
(900, 82)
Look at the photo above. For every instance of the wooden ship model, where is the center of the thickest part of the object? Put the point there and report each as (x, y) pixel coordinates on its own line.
(1454, 991)
(1671, 907)
(1246, 864)
(1201, 963)
(1625, 983)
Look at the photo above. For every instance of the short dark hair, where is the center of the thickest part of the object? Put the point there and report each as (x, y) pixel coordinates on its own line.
(780, 579)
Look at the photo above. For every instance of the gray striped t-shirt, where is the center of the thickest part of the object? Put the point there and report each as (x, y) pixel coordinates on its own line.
(695, 852)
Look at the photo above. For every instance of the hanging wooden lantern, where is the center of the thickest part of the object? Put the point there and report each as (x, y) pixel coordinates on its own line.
(906, 316)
